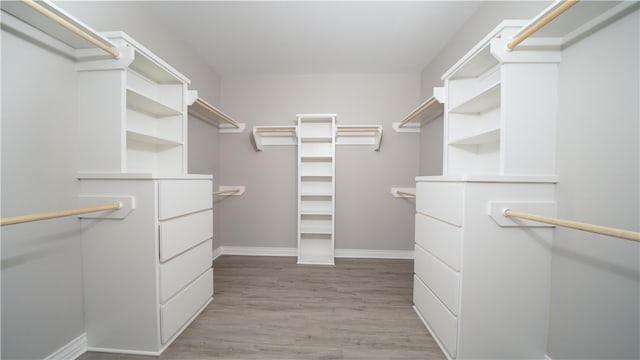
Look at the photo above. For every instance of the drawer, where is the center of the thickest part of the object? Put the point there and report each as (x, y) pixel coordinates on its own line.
(443, 281)
(177, 312)
(179, 197)
(442, 324)
(180, 234)
(181, 270)
(441, 200)
(442, 240)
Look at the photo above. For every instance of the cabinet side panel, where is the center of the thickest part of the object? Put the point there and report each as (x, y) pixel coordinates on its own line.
(120, 272)
(505, 277)
(101, 118)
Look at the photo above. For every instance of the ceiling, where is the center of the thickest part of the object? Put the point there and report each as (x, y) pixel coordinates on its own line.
(304, 37)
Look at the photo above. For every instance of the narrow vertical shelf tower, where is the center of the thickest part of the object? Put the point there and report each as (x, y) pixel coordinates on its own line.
(316, 188)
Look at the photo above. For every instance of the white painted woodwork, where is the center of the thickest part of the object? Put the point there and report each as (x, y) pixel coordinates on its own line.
(441, 200)
(444, 281)
(183, 197)
(503, 273)
(148, 275)
(184, 306)
(441, 239)
(316, 188)
(125, 281)
(441, 322)
(182, 233)
(133, 112)
(178, 272)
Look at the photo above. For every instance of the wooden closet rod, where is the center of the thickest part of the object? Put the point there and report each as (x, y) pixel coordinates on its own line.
(56, 214)
(74, 29)
(276, 130)
(418, 111)
(217, 113)
(363, 129)
(406, 193)
(603, 230)
(225, 192)
(541, 23)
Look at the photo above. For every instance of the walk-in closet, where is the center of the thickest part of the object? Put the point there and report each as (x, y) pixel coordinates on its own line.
(320, 180)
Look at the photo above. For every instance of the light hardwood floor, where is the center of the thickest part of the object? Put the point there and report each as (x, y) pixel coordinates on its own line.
(271, 308)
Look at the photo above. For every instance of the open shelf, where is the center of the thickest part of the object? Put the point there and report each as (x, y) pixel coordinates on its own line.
(485, 137)
(151, 139)
(143, 103)
(487, 98)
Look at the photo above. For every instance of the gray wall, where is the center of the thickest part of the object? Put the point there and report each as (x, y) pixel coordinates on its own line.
(41, 264)
(367, 216)
(595, 294)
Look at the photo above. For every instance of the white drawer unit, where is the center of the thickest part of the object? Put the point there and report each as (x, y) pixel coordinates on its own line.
(177, 273)
(481, 290)
(147, 277)
(180, 234)
(185, 305)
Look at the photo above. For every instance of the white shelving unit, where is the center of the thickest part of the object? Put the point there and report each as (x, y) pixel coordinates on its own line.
(149, 275)
(482, 289)
(316, 188)
(132, 113)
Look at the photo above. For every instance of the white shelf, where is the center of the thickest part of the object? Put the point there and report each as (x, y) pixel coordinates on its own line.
(485, 137)
(143, 103)
(487, 98)
(204, 111)
(316, 188)
(359, 135)
(151, 139)
(274, 135)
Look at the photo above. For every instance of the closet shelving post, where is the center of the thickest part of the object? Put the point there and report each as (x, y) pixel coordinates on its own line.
(316, 188)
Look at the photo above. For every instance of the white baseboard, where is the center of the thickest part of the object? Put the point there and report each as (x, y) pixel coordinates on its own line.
(257, 251)
(285, 251)
(72, 350)
(374, 254)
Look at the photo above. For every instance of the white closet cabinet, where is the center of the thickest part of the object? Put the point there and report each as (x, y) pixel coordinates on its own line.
(147, 276)
(132, 112)
(316, 188)
(482, 289)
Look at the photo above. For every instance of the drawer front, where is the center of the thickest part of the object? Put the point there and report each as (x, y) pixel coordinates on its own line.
(442, 240)
(175, 314)
(443, 281)
(442, 323)
(441, 200)
(180, 234)
(179, 197)
(181, 270)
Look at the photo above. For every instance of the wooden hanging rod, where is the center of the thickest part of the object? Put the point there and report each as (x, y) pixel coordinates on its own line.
(540, 23)
(275, 130)
(362, 129)
(406, 193)
(603, 230)
(56, 214)
(217, 113)
(71, 27)
(422, 108)
(225, 192)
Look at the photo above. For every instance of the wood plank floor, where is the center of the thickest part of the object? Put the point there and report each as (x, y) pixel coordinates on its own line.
(271, 308)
